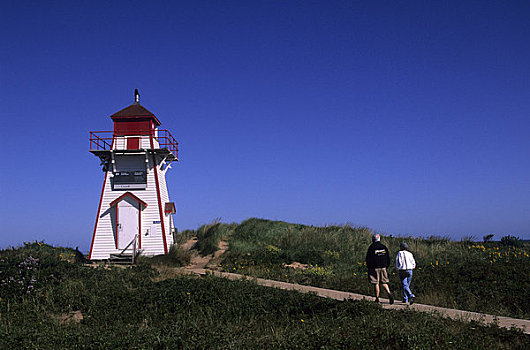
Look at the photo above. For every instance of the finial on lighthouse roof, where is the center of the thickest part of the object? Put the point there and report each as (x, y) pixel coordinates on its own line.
(136, 97)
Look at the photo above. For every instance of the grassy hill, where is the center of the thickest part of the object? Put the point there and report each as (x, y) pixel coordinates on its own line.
(50, 300)
(487, 277)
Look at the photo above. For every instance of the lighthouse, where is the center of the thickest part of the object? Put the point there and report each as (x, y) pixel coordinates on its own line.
(134, 212)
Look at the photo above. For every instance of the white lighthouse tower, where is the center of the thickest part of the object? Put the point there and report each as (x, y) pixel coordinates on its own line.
(134, 209)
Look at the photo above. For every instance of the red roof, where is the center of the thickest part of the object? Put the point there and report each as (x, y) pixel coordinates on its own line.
(135, 111)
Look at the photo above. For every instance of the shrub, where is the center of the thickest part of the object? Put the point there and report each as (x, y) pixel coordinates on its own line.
(175, 257)
(468, 240)
(511, 241)
(25, 270)
(464, 275)
(184, 236)
(124, 308)
(488, 238)
(208, 236)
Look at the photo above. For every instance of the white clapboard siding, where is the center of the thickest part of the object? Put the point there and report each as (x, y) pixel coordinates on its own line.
(164, 195)
(156, 144)
(151, 242)
(104, 242)
(151, 239)
(120, 143)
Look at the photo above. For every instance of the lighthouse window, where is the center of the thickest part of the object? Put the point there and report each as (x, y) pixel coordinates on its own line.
(129, 180)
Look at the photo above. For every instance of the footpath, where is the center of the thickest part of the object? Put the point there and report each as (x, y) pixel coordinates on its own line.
(502, 321)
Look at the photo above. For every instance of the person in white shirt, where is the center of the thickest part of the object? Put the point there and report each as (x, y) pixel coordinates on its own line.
(405, 263)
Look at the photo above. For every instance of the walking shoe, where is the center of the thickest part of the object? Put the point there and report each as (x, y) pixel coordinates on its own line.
(377, 300)
(391, 297)
(411, 300)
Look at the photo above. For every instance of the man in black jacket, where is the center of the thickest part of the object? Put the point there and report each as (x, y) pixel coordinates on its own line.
(377, 260)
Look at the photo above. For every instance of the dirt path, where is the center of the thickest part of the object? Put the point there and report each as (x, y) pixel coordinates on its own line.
(209, 261)
(506, 322)
(210, 265)
(197, 262)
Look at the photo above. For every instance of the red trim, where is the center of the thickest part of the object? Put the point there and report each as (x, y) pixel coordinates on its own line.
(128, 194)
(99, 209)
(133, 143)
(169, 207)
(140, 204)
(97, 215)
(152, 119)
(101, 141)
(98, 141)
(117, 227)
(155, 168)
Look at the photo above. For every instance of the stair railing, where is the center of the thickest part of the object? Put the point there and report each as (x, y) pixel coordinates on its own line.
(135, 248)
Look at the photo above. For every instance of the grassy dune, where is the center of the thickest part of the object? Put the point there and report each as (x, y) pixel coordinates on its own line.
(484, 277)
(49, 300)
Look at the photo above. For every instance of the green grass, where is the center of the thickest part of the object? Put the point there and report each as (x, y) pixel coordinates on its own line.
(209, 236)
(126, 308)
(176, 257)
(489, 277)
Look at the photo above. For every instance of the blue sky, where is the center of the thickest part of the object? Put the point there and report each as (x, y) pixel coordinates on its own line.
(406, 117)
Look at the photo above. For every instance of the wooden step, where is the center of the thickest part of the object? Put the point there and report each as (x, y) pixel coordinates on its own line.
(123, 258)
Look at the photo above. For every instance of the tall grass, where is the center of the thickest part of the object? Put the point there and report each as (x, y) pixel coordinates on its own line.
(184, 236)
(125, 308)
(176, 257)
(208, 236)
(486, 278)
(269, 242)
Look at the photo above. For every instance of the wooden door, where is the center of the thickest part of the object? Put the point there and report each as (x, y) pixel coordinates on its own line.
(133, 143)
(127, 223)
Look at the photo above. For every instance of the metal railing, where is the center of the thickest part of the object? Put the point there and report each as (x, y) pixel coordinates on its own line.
(103, 141)
(100, 143)
(135, 248)
(166, 140)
